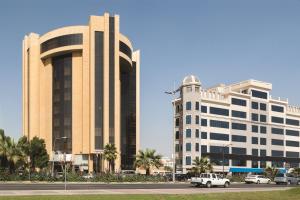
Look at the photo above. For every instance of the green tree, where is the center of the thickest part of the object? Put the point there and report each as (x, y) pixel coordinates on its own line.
(147, 159)
(39, 157)
(110, 154)
(202, 165)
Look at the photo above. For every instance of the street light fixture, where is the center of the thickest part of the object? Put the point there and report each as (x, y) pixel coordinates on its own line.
(173, 138)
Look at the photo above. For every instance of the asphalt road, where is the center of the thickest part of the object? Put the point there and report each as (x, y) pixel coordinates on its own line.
(101, 186)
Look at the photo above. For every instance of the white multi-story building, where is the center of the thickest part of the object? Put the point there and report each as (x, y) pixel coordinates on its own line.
(239, 125)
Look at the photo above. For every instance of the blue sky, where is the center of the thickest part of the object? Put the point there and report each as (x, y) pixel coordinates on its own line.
(219, 41)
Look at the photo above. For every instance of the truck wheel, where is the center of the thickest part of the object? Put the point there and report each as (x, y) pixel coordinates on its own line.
(288, 183)
(258, 182)
(298, 183)
(208, 184)
(226, 185)
(269, 182)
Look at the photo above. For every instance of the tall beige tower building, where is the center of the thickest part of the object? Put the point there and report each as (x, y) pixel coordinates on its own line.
(81, 91)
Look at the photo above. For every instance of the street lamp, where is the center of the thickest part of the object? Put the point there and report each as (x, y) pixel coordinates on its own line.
(223, 149)
(53, 152)
(173, 137)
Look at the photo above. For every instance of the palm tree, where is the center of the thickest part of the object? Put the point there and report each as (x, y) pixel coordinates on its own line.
(297, 171)
(110, 154)
(12, 153)
(3, 148)
(271, 172)
(9, 152)
(202, 165)
(147, 159)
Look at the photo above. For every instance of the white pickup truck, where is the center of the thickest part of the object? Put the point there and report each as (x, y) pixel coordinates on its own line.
(210, 180)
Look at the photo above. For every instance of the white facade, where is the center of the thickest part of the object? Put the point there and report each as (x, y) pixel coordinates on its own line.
(253, 129)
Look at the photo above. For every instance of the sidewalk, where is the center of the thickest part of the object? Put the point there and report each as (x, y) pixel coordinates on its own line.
(133, 191)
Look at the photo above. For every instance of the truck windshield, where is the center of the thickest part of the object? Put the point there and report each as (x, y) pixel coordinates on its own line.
(279, 175)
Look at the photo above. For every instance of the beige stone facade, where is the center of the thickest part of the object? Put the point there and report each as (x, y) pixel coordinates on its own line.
(119, 68)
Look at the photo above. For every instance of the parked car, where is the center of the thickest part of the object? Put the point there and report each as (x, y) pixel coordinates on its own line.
(257, 179)
(287, 179)
(178, 177)
(210, 180)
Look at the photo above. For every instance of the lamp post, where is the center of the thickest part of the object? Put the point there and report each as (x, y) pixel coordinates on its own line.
(53, 152)
(173, 137)
(223, 149)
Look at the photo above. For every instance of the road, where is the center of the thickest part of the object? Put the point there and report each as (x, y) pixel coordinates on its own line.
(101, 186)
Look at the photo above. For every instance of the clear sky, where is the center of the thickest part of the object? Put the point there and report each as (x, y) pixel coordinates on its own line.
(219, 41)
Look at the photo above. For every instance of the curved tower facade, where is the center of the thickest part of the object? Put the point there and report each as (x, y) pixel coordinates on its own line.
(81, 92)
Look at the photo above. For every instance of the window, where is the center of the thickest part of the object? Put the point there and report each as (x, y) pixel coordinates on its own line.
(239, 102)
(197, 147)
(291, 154)
(188, 146)
(277, 108)
(197, 105)
(277, 153)
(217, 160)
(188, 89)
(254, 117)
(203, 122)
(197, 119)
(203, 135)
(203, 149)
(188, 160)
(277, 142)
(197, 89)
(277, 131)
(177, 135)
(254, 129)
(239, 151)
(263, 141)
(219, 149)
(219, 111)
(177, 122)
(125, 49)
(292, 122)
(238, 114)
(292, 132)
(254, 105)
(263, 106)
(263, 152)
(238, 126)
(259, 94)
(291, 143)
(238, 138)
(188, 133)
(278, 120)
(60, 41)
(219, 124)
(219, 136)
(188, 119)
(263, 118)
(188, 105)
(254, 140)
(263, 129)
(204, 109)
(239, 163)
(254, 152)
(176, 147)
(197, 133)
